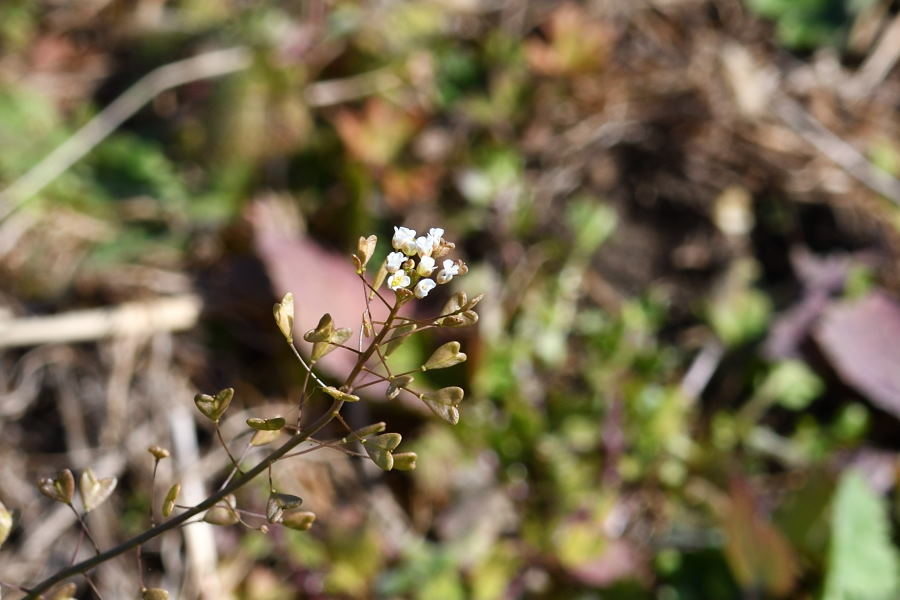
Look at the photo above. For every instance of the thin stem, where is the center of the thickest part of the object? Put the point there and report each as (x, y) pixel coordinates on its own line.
(84, 527)
(235, 470)
(77, 547)
(225, 447)
(92, 586)
(181, 519)
(374, 291)
(302, 400)
(13, 586)
(306, 366)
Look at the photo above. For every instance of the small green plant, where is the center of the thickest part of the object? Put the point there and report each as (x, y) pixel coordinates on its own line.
(410, 272)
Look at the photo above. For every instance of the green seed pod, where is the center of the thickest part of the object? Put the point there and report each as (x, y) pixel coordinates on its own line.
(379, 449)
(169, 502)
(214, 407)
(301, 520)
(445, 403)
(154, 594)
(445, 356)
(261, 438)
(272, 424)
(405, 461)
(338, 337)
(364, 432)
(61, 489)
(221, 515)
(322, 332)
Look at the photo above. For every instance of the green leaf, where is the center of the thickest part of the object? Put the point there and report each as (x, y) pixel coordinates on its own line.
(862, 562)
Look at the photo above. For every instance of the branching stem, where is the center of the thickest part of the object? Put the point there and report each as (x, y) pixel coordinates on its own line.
(246, 477)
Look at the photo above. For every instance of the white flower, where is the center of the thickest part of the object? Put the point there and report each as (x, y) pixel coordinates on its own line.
(402, 238)
(446, 274)
(435, 233)
(398, 280)
(423, 287)
(424, 245)
(394, 261)
(426, 266)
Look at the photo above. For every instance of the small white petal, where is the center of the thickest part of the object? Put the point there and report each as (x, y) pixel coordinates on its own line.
(401, 236)
(408, 246)
(426, 266)
(423, 287)
(394, 261)
(443, 276)
(424, 246)
(436, 233)
(398, 280)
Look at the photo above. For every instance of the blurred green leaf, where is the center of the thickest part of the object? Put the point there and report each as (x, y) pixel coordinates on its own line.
(862, 561)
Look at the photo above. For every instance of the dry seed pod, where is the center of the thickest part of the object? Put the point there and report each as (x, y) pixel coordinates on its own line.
(379, 449)
(154, 594)
(6, 523)
(284, 316)
(463, 319)
(365, 247)
(271, 424)
(322, 332)
(456, 302)
(301, 520)
(214, 407)
(158, 452)
(94, 492)
(473, 302)
(398, 383)
(445, 356)
(61, 489)
(445, 402)
(405, 461)
(169, 502)
(278, 503)
(339, 395)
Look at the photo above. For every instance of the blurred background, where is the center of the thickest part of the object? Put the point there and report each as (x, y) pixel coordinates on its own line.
(685, 381)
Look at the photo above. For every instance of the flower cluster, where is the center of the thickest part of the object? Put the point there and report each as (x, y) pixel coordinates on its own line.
(415, 260)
